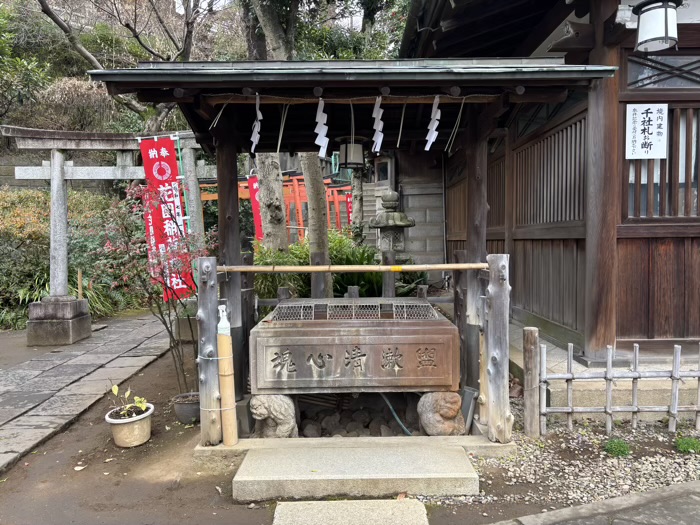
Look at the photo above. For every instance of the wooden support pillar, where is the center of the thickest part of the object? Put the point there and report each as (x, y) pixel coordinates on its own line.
(230, 251)
(500, 419)
(602, 193)
(460, 316)
(477, 211)
(509, 197)
(248, 299)
(207, 318)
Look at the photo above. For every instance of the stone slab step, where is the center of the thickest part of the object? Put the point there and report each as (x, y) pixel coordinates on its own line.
(314, 473)
(477, 445)
(357, 512)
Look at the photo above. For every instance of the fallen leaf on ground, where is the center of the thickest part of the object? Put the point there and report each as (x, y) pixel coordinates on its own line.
(401, 496)
(218, 489)
(79, 467)
(108, 460)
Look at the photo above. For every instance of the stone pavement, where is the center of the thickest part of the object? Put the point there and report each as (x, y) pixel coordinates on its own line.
(42, 395)
(674, 505)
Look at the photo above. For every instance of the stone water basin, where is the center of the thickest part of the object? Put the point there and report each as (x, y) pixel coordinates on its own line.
(354, 345)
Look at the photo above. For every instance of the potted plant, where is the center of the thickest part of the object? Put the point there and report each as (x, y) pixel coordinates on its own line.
(130, 421)
(186, 407)
(161, 284)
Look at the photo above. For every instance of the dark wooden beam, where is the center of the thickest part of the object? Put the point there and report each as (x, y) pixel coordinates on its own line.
(487, 119)
(602, 193)
(539, 97)
(204, 110)
(546, 27)
(620, 26)
(477, 212)
(230, 247)
(577, 37)
(475, 16)
(484, 37)
(214, 100)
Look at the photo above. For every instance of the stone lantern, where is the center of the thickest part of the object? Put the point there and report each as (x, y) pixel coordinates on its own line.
(391, 224)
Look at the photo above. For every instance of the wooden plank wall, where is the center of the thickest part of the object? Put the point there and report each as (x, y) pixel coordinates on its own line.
(549, 233)
(456, 204)
(659, 238)
(659, 288)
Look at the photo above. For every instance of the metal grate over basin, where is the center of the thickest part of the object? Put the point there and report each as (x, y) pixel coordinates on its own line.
(354, 309)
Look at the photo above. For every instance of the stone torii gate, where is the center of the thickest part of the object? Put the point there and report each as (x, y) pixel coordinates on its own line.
(61, 319)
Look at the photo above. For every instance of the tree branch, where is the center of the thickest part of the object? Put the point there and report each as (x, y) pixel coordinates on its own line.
(137, 37)
(162, 23)
(130, 104)
(70, 34)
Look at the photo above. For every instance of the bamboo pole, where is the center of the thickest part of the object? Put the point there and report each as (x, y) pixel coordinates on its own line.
(609, 390)
(570, 387)
(80, 283)
(675, 380)
(697, 400)
(336, 268)
(229, 425)
(543, 389)
(531, 368)
(635, 386)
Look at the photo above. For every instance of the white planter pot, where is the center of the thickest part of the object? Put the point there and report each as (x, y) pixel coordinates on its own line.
(131, 432)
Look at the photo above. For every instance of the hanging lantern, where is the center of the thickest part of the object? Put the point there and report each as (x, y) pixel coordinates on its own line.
(657, 24)
(351, 152)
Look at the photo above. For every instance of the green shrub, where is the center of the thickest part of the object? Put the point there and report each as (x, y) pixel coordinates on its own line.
(688, 445)
(342, 250)
(24, 253)
(617, 448)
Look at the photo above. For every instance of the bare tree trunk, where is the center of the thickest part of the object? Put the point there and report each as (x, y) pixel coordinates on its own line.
(280, 40)
(357, 202)
(255, 40)
(272, 202)
(321, 284)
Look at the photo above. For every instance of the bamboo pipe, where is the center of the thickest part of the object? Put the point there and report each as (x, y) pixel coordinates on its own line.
(229, 424)
(80, 283)
(353, 268)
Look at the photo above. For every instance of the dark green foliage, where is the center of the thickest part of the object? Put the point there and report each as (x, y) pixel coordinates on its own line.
(342, 251)
(617, 448)
(24, 253)
(688, 445)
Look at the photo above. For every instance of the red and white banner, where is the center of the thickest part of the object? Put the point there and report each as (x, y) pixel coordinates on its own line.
(348, 206)
(165, 226)
(254, 188)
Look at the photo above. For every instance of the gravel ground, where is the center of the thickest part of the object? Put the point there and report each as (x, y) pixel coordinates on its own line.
(570, 468)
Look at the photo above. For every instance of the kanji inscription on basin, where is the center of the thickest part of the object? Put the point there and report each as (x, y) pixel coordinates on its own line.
(354, 354)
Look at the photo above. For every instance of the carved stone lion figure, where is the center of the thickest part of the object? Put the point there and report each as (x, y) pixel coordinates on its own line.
(440, 414)
(274, 416)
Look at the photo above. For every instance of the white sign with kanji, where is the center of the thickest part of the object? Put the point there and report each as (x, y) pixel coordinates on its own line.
(647, 131)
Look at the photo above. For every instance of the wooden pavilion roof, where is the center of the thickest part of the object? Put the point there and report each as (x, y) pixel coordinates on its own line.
(221, 96)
